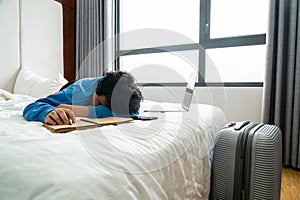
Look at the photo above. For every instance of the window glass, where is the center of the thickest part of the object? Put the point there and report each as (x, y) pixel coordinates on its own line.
(167, 67)
(235, 64)
(177, 19)
(155, 23)
(237, 18)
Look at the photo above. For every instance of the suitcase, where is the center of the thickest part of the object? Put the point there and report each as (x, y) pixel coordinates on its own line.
(247, 162)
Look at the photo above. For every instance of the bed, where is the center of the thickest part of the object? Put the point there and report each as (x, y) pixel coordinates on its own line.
(167, 158)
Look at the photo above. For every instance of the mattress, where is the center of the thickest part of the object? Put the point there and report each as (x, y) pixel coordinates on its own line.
(167, 158)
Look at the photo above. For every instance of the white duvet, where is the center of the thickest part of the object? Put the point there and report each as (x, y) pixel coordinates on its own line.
(166, 158)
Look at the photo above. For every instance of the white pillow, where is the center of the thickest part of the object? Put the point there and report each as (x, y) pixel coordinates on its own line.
(31, 84)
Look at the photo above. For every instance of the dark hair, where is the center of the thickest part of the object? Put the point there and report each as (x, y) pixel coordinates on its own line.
(67, 85)
(122, 93)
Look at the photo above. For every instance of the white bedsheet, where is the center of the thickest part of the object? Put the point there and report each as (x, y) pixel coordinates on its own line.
(166, 158)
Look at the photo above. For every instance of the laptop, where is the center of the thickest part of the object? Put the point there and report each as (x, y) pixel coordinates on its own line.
(187, 99)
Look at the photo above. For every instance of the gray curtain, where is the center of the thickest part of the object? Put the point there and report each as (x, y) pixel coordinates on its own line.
(282, 85)
(95, 46)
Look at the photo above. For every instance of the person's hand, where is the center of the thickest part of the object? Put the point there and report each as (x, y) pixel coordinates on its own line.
(60, 116)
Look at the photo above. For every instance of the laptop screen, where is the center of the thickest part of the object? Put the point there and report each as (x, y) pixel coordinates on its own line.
(188, 94)
(187, 99)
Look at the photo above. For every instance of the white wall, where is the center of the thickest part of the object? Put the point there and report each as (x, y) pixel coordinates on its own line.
(238, 103)
(9, 40)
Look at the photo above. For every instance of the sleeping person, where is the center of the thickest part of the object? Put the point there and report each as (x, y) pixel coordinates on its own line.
(114, 94)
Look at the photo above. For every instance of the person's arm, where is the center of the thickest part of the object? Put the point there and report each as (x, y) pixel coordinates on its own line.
(79, 111)
(99, 111)
(38, 110)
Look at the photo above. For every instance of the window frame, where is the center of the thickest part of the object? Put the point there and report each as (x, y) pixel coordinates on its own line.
(204, 40)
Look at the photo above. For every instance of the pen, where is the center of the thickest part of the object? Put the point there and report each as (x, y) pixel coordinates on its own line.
(90, 121)
(70, 121)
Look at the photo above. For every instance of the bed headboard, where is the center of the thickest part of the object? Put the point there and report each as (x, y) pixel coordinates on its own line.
(31, 36)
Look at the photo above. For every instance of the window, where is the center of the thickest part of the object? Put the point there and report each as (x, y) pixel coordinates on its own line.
(165, 67)
(164, 41)
(251, 20)
(181, 17)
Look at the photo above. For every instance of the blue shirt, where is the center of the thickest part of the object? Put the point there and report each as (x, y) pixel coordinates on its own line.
(80, 93)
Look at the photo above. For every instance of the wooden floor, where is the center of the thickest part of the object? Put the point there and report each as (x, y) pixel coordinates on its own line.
(290, 184)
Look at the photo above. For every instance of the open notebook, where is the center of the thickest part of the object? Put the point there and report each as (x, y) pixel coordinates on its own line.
(86, 123)
(187, 98)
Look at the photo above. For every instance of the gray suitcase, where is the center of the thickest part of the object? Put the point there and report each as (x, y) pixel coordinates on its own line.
(247, 162)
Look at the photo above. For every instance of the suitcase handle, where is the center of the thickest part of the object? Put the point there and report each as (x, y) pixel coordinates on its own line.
(240, 125)
(231, 124)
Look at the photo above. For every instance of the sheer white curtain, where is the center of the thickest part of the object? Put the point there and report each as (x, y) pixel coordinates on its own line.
(95, 46)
